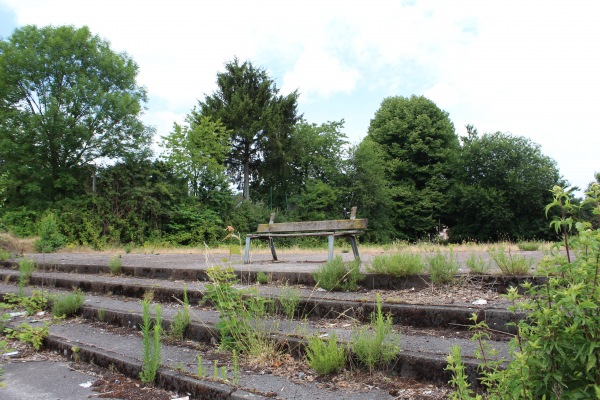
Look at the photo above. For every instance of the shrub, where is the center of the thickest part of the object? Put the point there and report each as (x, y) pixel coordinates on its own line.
(401, 264)
(511, 264)
(528, 245)
(151, 345)
(377, 343)
(442, 268)
(26, 268)
(115, 265)
(67, 304)
(338, 275)
(325, 356)
(477, 264)
(50, 237)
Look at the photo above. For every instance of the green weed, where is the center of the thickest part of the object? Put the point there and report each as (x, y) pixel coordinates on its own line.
(401, 264)
(529, 245)
(511, 264)
(325, 356)
(338, 275)
(262, 277)
(289, 299)
(477, 264)
(26, 269)
(28, 334)
(151, 345)
(442, 268)
(68, 304)
(115, 265)
(376, 344)
(182, 319)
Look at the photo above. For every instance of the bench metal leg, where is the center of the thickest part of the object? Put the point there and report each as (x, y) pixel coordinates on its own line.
(247, 251)
(352, 241)
(272, 246)
(330, 253)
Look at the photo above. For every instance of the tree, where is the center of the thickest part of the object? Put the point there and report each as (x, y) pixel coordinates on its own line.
(196, 151)
(66, 100)
(418, 141)
(502, 183)
(260, 120)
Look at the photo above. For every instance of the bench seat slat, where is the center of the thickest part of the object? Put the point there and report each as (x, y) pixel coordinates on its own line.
(312, 226)
(268, 235)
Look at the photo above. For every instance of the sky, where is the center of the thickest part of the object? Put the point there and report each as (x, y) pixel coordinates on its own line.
(529, 68)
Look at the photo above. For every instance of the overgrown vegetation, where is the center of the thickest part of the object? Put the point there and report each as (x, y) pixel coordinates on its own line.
(401, 264)
(338, 275)
(26, 269)
(115, 265)
(325, 355)
(442, 267)
(151, 342)
(376, 344)
(478, 265)
(65, 305)
(181, 320)
(555, 352)
(511, 264)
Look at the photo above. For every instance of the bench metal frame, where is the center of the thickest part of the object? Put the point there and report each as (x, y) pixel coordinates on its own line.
(347, 228)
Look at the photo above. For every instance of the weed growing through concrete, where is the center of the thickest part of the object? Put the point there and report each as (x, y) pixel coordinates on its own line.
(38, 301)
(529, 245)
(262, 277)
(4, 255)
(236, 368)
(151, 345)
(289, 299)
(511, 264)
(28, 334)
(376, 344)
(200, 370)
(325, 356)
(182, 319)
(101, 315)
(68, 304)
(401, 264)
(115, 265)
(26, 268)
(338, 275)
(478, 265)
(442, 268)
(215, 370)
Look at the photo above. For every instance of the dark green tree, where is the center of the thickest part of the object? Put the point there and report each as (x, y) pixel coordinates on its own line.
(418, 141)
(369, 189)
(502, 184)
(66, 100)
(248, 103)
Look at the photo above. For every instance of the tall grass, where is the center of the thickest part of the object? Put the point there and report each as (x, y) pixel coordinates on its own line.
(401, 264)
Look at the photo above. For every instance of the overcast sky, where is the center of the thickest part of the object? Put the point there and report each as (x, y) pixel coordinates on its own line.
(530, 68)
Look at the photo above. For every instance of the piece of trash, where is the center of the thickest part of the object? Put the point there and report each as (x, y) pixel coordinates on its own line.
(321, 290)
(182, 398)
(86, 384)
(323, 335)
(41, 313)
(11, 354)
(479, 302)
(17, 314)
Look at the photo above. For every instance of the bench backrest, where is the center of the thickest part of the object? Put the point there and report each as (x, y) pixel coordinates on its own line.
(313, 226)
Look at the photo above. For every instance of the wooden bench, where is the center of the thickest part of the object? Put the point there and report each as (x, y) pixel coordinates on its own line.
(347, 228)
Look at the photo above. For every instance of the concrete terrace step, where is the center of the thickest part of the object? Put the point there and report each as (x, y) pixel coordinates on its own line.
(313, 304)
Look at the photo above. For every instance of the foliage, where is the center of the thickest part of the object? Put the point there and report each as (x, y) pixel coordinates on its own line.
(442, 268)
(418, 141)
(67, 99)
(20, 221)
(248, 103)
(68, 304)
(376, 344)
(555, 353)
(242, 325)
(500, 188)
(51, 239)
(38, 301)
(477, 264)
(459, 381)
(182, 319)
(338, 275)
(325, 356)
(289, 299)
(151, 345)
(28, 334)
(115, 264)
(196, 152)
(262, 277)
(400, 264)
(529, 245)
(369, 190)
(26, 268)
(511, 264)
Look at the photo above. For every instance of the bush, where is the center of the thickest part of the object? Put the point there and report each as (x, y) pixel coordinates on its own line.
(338, 275)
(115, 265)
(401, 264)
(442, 268)
(511, 264)
(67, 304)
(529, 245)
(21, 222)
(378, 343)
(325, 356)
(50, 238)
(477, 264)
